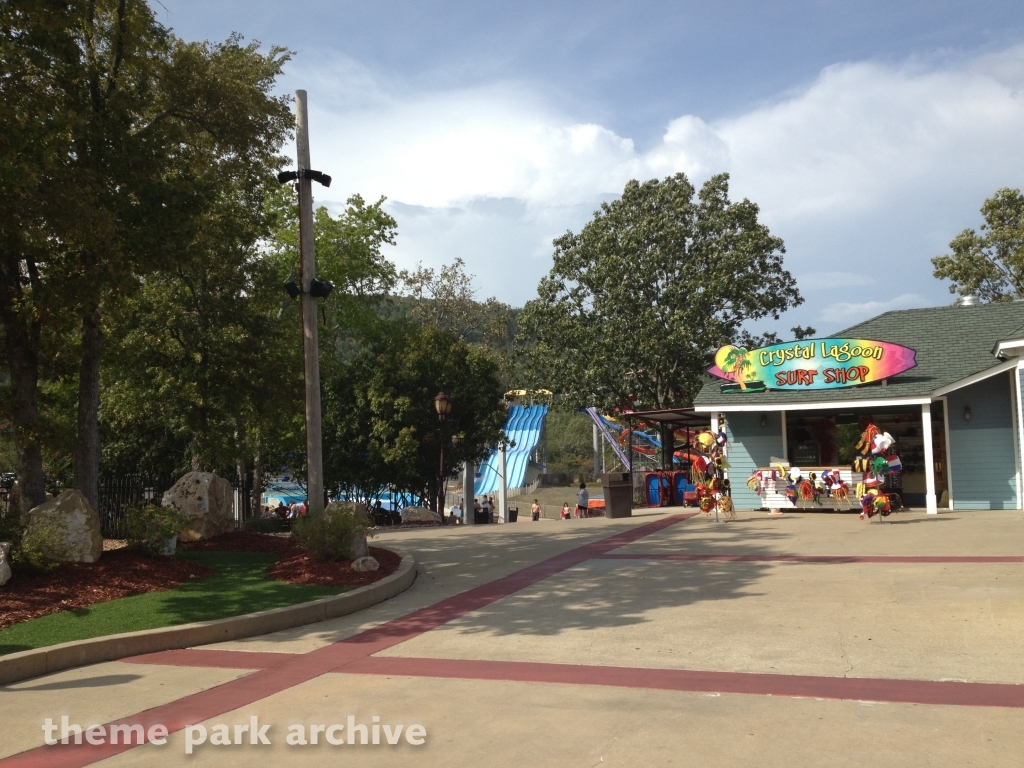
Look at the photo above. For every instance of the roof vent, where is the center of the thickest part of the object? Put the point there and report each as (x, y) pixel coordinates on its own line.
(967, 301)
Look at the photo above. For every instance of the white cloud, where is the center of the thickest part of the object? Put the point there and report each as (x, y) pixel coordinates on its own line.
(868, 170)
(850, 313)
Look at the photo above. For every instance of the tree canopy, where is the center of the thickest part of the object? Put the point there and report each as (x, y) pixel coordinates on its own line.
(117, 140)
(637, 302)
(989, 264)
(380, 426)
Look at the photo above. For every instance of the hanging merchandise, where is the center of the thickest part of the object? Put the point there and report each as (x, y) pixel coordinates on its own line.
(867, 439)
(879, 468)
(707, 470)
(726, 507)
(875, 464)
(791, 494)
(882, 443)
(705, 442)
(806, 490)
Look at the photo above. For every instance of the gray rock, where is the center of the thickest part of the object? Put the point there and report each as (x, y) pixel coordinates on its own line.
(5, 566)
(78, 523)
(359, 548)
(365, 564)
(207, 499)
(419, 515)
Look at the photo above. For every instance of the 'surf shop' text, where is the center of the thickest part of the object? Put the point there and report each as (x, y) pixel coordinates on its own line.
(805, 377)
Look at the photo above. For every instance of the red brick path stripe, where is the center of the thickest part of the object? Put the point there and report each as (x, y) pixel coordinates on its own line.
(832, 559)
(300, 668)
(855, 688)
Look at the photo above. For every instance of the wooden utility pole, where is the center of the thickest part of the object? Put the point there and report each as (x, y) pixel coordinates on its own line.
(310, 341)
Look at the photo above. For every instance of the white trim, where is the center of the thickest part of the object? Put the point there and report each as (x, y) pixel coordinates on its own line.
(1004, 347)
(1019, 436)
(818, 406)
(949, 462)
(785, 439)
(931, 503)
(1014, 407)
(975, 378)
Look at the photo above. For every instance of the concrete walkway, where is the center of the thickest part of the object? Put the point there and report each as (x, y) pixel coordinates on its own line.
(664, 639)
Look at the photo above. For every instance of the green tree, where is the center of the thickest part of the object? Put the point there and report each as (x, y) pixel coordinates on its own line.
(636, 303)
(380, 426)
(989, 264)
(446, 299)
(207, 369)
(201, 360)
(349, 254)
(118, 137)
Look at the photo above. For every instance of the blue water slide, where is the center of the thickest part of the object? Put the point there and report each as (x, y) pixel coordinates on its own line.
(523, 426)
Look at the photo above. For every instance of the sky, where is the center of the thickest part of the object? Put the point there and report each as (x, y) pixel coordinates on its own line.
(869, 133)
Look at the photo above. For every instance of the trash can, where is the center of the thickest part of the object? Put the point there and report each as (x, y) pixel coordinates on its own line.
(618, 494)
(513, 514)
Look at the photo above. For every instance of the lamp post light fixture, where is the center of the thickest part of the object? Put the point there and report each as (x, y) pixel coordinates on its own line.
(443, 406)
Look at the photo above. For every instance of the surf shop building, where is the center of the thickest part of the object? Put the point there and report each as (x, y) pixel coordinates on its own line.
(944, 382)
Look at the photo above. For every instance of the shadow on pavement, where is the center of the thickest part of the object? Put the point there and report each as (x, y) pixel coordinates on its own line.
(88, 682)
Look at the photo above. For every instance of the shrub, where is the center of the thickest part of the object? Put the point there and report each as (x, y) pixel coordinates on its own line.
(149, 527)
(330, 536)
(11, 528)
(43, 546)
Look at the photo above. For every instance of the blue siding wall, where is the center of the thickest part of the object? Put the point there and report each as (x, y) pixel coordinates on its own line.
(750, 446)
(981, 453)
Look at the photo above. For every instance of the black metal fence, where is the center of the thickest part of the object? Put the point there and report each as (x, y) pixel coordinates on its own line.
(119, 493)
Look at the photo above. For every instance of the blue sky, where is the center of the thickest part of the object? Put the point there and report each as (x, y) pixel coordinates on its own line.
(869, 133)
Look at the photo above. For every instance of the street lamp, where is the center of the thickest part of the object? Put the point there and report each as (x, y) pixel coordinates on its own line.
(443, 406)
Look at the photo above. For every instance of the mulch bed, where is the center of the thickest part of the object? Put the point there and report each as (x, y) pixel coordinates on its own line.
(245, 542)
(122, 573)
(301, 568)
(119, 573)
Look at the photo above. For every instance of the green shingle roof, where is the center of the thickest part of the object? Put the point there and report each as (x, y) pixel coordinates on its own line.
(952, 343)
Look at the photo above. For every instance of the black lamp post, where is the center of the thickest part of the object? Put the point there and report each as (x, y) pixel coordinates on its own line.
(443, 406)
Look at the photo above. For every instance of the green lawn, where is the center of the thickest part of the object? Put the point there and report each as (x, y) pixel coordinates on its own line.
(238, 584)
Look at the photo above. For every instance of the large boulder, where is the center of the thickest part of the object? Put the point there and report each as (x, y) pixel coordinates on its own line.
(207, 499)
(5, 566)
(420, 515)
(68, 528)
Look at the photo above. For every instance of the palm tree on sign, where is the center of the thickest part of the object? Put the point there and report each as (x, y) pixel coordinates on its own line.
(737, 365)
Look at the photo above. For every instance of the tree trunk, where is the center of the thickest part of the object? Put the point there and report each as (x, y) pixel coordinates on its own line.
(86, 457)
(23, 366)
(257, 481)
(241, 469)
(196, 463)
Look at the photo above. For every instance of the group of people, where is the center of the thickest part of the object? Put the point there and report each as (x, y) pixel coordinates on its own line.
(582, 505)
(286, 511)
(483, 511)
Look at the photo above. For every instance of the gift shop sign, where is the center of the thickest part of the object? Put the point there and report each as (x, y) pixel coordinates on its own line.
(810, 364)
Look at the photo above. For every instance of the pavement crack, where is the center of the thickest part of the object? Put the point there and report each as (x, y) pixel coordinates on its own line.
(842, 649)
